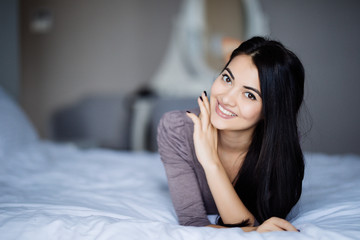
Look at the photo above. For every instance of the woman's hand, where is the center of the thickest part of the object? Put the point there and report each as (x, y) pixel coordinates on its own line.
(276, 224)
(228, 203)
(270, 225)
(205, 135)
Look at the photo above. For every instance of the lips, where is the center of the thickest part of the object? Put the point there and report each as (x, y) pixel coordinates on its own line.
(224, 112)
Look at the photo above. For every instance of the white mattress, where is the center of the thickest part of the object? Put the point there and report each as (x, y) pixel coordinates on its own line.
(51, 191)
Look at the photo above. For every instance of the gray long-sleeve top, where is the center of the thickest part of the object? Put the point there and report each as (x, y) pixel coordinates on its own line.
(188, 186)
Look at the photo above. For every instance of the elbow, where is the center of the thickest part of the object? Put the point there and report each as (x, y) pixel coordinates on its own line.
(194, 222)
(252, 221)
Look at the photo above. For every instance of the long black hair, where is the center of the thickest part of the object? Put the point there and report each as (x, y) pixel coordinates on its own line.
(269, 182)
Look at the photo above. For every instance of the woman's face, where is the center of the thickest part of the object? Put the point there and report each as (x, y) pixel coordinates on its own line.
(235, 99)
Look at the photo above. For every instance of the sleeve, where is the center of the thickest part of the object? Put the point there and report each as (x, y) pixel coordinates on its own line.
(183, 183)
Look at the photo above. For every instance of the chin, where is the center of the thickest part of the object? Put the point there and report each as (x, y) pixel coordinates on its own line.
(219, 124)
(222, 124)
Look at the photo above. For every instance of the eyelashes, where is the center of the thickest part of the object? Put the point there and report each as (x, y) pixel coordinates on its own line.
(250, 96)
(229, 81)
(226, 78)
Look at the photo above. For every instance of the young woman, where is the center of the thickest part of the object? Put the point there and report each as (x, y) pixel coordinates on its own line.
(238, 155)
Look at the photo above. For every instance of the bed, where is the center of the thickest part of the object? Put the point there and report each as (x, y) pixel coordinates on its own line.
(58, 191)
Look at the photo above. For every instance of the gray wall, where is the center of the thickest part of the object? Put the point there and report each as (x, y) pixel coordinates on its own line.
(326, 35)
(9, 45)
(93, 48)
(104, 47)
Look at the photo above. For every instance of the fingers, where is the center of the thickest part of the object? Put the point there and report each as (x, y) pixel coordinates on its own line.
(203, 119)
(195, 119)
(276, 224)
(206, 101)
(285, 225)
(204, 115)
(204, 105)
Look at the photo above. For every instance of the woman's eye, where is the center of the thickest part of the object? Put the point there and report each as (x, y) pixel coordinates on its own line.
(226, 78)
(250, 96)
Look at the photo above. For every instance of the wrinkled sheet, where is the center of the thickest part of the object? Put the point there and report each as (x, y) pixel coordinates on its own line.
(52, 191)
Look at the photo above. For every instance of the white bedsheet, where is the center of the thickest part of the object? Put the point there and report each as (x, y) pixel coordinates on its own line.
(51, 191)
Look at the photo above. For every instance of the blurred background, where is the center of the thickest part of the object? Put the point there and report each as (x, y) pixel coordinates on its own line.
(101, 73)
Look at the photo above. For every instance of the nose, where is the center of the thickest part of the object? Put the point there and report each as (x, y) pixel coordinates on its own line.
(230, 97)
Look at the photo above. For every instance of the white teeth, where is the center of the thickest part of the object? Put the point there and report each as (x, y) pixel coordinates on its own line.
(226, 112)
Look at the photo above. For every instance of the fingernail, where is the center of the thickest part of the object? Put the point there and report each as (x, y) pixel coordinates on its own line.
(298, 230)
(201, 99)
(205, 93)
(188, 111)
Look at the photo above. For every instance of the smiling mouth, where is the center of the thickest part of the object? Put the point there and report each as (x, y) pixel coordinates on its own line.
(224, 112)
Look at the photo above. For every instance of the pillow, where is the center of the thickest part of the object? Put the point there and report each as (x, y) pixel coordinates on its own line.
(16, 130)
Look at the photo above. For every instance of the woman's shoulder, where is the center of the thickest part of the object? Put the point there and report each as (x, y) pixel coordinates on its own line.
(175, 137)
(176, 120)
(175, 129)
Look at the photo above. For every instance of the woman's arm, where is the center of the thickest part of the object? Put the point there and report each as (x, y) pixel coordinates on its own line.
(245, 229)
(270, 225)
(231, 208)
(182, 181)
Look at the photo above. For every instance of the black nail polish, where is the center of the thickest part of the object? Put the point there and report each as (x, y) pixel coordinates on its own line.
(201, 99)
(298, 230)
(188, 111)
(205, 93)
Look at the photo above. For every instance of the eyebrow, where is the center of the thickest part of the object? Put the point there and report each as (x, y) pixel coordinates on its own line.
(246, 87)
(227, 69)
(253, 89)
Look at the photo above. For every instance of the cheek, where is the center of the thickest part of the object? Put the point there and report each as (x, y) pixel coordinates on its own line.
(251, 112)
(215, 89)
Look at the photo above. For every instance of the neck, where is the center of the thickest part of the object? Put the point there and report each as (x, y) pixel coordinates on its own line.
(235, 142)
(232, 149)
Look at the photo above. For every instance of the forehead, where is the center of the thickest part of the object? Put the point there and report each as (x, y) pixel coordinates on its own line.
(245, 72)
